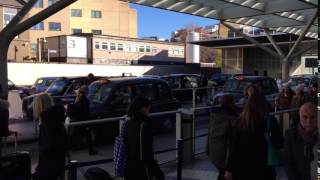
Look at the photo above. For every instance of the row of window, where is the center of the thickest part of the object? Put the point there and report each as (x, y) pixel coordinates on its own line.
(124, 47)
(39, 3)
(176, 51)
(74, 12)
(53, 26)
(78, 13)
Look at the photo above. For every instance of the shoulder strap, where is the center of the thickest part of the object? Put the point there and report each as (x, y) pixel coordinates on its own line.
(141, 139)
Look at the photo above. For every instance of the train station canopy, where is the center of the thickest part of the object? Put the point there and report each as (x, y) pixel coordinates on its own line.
(288, 16)
(280, 38)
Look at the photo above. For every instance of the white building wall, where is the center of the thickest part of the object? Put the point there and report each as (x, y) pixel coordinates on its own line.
(192, 51)
(27, 73)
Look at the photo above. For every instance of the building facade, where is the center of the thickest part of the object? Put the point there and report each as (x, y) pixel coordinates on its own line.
(19, 47)
(110, 17)
(113, 50)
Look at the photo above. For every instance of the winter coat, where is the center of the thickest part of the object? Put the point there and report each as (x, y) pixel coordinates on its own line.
(79, 111)
(52, 144)
(136, 168)
(296, 165)
(4, 118)
(219, 135)
(248, 154)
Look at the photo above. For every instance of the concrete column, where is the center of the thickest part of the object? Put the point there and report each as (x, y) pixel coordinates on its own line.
(192, 51)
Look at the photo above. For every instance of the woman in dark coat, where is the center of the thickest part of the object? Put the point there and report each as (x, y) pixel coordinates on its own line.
(219, 133)
(52, 141)
(79, 111)
(140, 160)
(248, 156)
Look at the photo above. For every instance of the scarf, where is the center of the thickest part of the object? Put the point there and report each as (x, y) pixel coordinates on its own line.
(310, 140)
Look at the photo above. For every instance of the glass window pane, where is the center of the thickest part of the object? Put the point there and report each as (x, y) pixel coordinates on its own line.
(96, 32)
(76, 12)
(50, 2)
(104, 45)
(141, 49)
(113, 46)
(39, 4)
(75, 31)
(148, 49)
(39, 26)
(97, 45)
(120, 47)
(96, 14)
(54, 26)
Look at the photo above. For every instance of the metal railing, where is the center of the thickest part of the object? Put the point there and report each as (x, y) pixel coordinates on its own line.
(74, 165)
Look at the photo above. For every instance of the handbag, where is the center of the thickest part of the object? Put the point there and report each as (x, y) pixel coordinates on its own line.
(120, 153)
(273, 154)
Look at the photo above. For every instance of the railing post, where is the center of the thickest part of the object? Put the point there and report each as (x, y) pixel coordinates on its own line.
(72, 175)
(193, 133)
(180, 159)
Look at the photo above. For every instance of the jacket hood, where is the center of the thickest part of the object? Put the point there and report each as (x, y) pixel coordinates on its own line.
(4, 104)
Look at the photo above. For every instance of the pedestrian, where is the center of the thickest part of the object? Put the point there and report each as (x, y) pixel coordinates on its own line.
(203, 84)
(313, 92)
(284, 99)
(248, 155)
(4, 120)
(297, 101)
(90, 79)
(249, 90)
(219, 133)
(52, 139)
(300, 146)
(77, 112)
(139, 140)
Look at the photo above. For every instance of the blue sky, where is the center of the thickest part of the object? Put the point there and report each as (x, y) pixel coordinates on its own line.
(160, 23)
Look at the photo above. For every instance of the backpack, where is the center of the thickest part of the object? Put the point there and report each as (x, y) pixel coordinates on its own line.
(120, 153)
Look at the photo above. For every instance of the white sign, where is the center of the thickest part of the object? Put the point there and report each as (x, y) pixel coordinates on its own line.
(52, 51)
(76, 47)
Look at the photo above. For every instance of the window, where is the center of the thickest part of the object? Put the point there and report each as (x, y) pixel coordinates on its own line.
(154, 50)
(76, 12)
(149, 91)
(96, 14)
(54, 26)
(170, 52)
(8, 15)
(113, 46)
(34, 47)
(122, 96)
(175, 51)
(181, 51)
(76, 31)
(141, 49)
(97, 45)
(39, 26)
(148, 49)
(120, 47)
(134, 49)
(105, 45)
(50, 2)
(96, 31)
(39, 4)
(128, 48)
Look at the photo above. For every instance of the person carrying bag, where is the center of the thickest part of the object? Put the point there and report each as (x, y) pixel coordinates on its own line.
(140, 163)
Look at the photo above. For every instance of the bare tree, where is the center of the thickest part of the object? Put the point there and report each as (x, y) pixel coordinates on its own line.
(18, 25)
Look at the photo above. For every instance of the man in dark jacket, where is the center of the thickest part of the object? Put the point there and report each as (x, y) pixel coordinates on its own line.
(301, 143)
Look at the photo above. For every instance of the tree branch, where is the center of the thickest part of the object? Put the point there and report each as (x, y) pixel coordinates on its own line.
(20, 15)
(42, 15)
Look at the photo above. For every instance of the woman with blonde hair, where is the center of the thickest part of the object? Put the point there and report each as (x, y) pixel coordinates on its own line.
(41, 102)
(52, 138)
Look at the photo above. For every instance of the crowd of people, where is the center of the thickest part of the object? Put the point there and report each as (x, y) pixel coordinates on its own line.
(248, 143)
(239, 140)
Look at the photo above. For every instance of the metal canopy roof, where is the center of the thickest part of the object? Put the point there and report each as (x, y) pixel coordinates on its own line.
(289, 16)
(281, 39)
